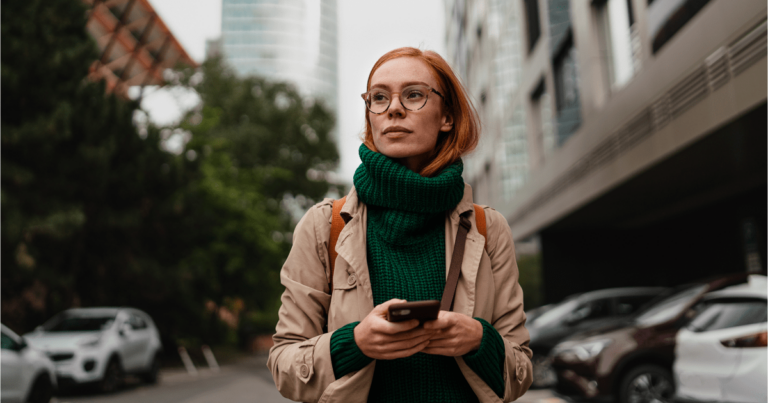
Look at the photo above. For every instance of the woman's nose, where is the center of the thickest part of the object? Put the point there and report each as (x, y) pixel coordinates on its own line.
(396, 107)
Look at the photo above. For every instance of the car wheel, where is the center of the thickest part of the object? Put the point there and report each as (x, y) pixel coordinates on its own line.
(113, 375)
(152, 374)
(647, 384)
(42, 390)
(544, 375)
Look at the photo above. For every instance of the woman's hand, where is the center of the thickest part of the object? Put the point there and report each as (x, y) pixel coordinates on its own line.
(454, 334)
(381, 339)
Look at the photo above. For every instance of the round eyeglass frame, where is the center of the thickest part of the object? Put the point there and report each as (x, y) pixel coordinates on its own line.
(400, 98)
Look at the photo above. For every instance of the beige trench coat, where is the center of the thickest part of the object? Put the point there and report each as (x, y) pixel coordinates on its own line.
(488, 288)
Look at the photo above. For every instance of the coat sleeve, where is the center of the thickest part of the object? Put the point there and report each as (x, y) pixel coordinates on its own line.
(300, 360)
(509, 315)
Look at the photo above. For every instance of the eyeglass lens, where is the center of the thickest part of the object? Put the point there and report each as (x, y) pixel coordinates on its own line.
(413, 98)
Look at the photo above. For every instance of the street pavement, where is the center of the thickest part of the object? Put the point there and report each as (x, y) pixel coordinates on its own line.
(248, 380)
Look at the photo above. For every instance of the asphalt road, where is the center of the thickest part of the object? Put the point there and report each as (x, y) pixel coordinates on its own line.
(247, 381)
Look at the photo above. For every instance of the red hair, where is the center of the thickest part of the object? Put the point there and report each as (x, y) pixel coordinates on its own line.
(464, 135)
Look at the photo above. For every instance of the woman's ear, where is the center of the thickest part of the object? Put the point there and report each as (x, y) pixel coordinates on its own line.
(447, 123)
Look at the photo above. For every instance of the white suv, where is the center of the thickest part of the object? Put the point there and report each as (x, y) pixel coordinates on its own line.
(100, 345)
(27, 374)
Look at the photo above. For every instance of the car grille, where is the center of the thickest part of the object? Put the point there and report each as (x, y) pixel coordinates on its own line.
(60, 356)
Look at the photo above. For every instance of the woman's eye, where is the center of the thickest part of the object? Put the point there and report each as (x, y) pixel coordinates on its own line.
(379, 97)
(414, 95)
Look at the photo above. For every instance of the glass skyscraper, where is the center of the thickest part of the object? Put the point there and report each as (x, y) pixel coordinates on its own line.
(287, 40)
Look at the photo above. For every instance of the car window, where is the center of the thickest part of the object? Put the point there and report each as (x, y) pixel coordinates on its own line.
(629, 304)
(556, 314)
(724, 314)
(670, 307)
(80, 324)
(590, 310)
(7, 342)
(137, 323)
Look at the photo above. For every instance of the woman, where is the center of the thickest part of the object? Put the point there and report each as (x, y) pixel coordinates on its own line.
(401, 220)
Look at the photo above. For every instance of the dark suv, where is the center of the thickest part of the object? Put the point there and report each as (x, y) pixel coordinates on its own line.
(632, 362)
(576, 314)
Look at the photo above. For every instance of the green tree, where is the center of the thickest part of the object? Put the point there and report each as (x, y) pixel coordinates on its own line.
(95, 212)
(259, 148)
(87, 204)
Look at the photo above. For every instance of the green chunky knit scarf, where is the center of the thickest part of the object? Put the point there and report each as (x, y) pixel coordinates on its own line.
(406, 259)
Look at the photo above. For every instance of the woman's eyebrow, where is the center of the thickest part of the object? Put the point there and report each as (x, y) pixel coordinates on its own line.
(386, 87)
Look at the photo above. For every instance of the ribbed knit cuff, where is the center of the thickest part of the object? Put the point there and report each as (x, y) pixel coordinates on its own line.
(345, 354)
(488, 360)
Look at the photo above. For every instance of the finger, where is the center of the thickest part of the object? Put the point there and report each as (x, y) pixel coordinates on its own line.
(403, 344)
(384, 339)
(443, 321)
(405, 353)
(437, 324)
(383, 306)
(442, 343)
(393, 328)
(438, 351)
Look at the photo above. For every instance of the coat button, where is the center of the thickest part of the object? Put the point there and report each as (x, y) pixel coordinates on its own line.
(352, 279)
(304, 370)
(521, 373)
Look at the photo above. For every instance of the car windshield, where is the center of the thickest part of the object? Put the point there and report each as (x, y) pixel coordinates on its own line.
(79, 323)
(556, 314)
(670, 307)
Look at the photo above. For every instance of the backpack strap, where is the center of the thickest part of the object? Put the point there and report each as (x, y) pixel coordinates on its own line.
(480, 218)
(337, 224)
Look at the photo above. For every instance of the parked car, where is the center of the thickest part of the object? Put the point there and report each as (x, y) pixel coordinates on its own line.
(532, 314)
(632, 361)
(27, 374)
(576, 314)
(721, 355)
(100, 345)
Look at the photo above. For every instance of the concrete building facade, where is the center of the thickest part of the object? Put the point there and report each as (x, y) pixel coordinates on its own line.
(627, 136)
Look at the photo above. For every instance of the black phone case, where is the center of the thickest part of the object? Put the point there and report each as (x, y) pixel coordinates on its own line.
(421, 310)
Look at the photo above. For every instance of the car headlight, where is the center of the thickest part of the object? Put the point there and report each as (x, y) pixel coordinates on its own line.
(585, 351)
(92, 341)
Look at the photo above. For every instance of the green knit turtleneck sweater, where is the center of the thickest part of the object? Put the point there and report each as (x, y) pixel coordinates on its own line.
(406, 260)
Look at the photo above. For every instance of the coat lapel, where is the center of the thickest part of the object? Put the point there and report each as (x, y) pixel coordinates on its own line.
(351, 247)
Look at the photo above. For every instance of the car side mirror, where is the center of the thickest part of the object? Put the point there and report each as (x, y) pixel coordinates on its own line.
(124, 329)
(22, 345)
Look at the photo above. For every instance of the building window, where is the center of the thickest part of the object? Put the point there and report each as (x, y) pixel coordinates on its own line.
(532, 19)
(543, 132)
(620, 41)
(667, 17)
(512, 156)
(567, 90)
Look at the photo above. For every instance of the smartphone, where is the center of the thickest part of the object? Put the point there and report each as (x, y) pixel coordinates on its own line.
(421, 310)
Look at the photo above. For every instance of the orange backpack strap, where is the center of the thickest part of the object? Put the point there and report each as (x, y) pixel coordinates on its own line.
(480, 219)
(337, 224)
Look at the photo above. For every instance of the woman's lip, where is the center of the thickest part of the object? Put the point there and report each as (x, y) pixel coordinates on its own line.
(397, 129)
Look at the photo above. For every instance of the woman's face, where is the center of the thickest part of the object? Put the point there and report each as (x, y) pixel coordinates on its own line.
(408, 136)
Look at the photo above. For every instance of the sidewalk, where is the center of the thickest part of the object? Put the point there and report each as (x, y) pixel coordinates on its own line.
(540, 396)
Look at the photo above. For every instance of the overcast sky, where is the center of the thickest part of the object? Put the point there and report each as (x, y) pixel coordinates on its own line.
(418, 23)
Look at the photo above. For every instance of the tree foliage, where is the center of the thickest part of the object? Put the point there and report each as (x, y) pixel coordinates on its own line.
(96, 212)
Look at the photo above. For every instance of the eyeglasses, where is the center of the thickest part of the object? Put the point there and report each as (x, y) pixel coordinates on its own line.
(413, 98)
